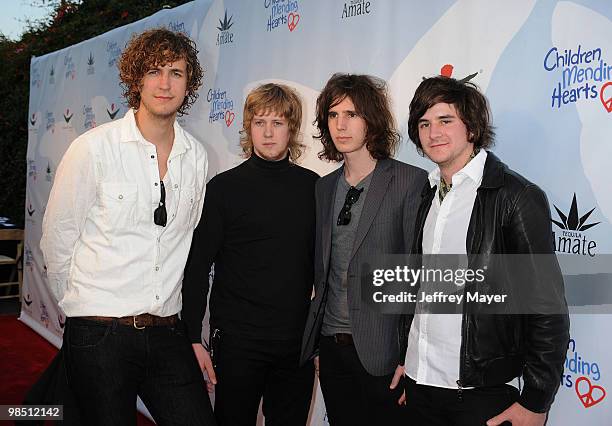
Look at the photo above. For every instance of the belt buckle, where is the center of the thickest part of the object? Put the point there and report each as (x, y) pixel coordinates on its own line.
(136, 325)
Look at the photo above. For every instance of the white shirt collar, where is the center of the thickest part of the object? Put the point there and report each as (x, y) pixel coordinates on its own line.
(131, 133)
(473, 169)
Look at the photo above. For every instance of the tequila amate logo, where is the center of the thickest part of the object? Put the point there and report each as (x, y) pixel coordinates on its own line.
(354, 8)
(225, 36)
(90, 64)
(572, 239)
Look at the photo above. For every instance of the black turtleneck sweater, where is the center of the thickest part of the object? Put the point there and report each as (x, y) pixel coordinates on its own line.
(257, 227)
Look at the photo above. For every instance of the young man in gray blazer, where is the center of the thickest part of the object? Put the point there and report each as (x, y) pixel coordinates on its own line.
(365, 208)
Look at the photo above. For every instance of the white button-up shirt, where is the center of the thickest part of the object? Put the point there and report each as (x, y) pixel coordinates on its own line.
(103, 252)
(434, 341)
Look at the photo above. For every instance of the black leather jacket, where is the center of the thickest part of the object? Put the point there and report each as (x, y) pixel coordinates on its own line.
(510, 216)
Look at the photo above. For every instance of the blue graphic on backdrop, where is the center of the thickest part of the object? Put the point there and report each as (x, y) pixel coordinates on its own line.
(282, 12)
(580, 70)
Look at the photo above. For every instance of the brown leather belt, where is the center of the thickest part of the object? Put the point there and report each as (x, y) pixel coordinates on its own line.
(138, 321)
(343, 339)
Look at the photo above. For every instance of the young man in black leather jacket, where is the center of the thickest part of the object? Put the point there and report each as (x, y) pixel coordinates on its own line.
(465, 369)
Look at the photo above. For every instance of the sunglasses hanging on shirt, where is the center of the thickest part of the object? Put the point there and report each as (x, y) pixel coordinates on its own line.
(344, 218)
(160, 215)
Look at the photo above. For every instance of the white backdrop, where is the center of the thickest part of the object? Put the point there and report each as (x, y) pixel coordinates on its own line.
(545, 66)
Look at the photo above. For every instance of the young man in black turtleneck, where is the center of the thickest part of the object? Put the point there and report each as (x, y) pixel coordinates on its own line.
(257, 227)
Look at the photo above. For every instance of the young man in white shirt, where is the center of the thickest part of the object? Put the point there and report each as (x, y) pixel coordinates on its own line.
(116, 235)
(463, 368)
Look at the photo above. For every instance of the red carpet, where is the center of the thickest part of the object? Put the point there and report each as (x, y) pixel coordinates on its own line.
(23, 356)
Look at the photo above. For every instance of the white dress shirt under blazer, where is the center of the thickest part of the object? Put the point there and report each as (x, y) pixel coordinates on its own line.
(104, 254)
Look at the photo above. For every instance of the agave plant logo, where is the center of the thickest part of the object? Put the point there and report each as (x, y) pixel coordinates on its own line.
(226, 24)
(225, 36)
(571, 221)
(113, 111)
(90, 64)
(572, 240)
(68, 115)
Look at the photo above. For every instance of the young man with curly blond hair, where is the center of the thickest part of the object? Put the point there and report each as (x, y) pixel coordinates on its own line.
(125, 201)
(257, 228)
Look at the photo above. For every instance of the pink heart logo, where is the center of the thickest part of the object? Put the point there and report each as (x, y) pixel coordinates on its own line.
(589, 394)
(229, 118)
(607, 103)
(292, 20)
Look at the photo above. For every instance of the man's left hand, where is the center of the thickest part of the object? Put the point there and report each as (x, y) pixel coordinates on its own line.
(518, 416)
(399, 373)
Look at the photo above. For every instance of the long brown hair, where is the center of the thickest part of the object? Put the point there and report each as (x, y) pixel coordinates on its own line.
(369, 95)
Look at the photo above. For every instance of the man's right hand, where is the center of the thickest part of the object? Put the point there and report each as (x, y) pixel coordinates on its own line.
(205, 364)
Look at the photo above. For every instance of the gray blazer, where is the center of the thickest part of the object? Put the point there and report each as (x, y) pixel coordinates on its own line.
(386, 226)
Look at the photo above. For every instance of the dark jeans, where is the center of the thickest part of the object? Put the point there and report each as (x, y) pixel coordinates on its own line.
(352, 395)
(109, 364)
(433, 406)
(249, 369)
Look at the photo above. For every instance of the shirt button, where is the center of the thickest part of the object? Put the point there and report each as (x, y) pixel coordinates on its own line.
(156, 268)
(152, 156)
(155, 183)
(120, 197)
(175, 186)
(156, 297)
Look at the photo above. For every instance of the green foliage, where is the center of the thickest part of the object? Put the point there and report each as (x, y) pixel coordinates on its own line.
(69, 22)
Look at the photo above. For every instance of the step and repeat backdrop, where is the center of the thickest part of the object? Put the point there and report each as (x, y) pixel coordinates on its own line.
(545, 65)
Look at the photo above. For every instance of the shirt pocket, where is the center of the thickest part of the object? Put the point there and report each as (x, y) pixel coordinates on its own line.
(189, 200)
(119, 201)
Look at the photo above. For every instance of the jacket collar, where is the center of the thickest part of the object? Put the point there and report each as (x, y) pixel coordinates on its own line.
(493, 174)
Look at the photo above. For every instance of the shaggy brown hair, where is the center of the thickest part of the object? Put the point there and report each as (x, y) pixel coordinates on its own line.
(158, 47)
(369, 95)
(278, 99)
(471, 105)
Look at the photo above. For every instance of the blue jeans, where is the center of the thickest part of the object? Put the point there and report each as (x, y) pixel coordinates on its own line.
(107, 365)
